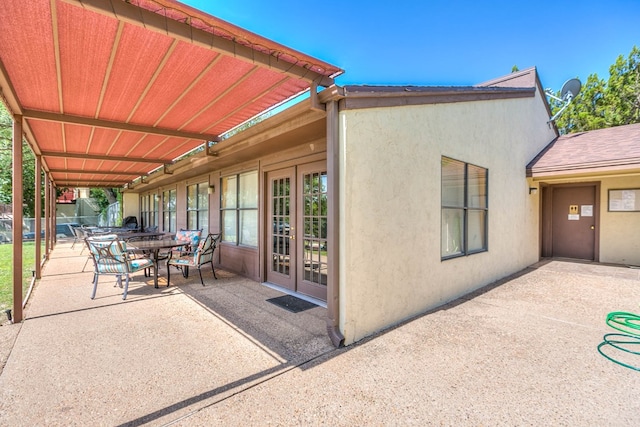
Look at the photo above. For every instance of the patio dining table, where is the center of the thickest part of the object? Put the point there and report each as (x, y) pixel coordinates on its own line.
(152, 248)
(141, 235)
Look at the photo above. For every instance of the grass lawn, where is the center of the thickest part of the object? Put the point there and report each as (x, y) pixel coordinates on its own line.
(6, 272)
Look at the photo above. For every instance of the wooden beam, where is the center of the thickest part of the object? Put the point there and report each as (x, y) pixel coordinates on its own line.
(103, 157)
(313, 97)
(47, 215)
(38, 217)
(107, 124)
(16, 227)
(158, 23)
(8, 92)
(90, 183)
(92, 172)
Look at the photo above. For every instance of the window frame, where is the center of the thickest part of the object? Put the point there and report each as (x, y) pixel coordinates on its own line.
(199, 210)
(238, 209)
(149, 210)
(466, 208)
(172, 214)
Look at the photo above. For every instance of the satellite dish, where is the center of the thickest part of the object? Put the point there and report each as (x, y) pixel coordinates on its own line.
(570, 90)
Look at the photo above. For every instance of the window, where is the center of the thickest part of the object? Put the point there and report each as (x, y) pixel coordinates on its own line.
(464, 208)
(198, 207)
(149, 210)
(169, 211)
(239, 209)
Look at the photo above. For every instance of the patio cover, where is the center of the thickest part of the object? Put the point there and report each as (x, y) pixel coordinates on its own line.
(110, 90)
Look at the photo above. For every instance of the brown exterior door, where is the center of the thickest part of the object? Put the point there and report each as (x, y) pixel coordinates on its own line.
(573, 220)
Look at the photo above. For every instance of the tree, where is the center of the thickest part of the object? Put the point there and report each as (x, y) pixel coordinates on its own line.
(603, 104)
(105, 197)
(6, 160)
(623, 94)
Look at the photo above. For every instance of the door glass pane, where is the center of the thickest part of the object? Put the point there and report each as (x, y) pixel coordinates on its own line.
(314, 198)
(452, 232)
(281, 225)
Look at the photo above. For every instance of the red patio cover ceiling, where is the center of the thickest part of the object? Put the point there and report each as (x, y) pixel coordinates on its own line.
(110, 90)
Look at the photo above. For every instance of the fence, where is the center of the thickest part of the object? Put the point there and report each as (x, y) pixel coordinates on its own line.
(63, 228)
(112, 217)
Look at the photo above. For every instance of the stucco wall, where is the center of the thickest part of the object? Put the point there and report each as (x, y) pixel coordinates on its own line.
(619, 231)
(390, 265)
(130, 205)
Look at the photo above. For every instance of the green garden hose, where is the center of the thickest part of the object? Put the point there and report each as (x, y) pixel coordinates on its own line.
(613, 341)
(629, 323)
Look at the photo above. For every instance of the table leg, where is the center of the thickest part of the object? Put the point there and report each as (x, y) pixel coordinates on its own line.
(155, 270)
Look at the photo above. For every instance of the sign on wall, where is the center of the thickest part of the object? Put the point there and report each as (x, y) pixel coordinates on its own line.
(624, 200)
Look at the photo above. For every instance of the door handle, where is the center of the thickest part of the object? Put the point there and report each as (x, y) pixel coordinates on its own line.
(593, 227)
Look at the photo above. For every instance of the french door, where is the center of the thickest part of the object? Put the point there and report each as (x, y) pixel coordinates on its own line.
(281, 259)
(297, 223)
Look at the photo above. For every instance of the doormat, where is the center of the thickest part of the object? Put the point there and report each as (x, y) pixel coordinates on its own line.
(291, 303)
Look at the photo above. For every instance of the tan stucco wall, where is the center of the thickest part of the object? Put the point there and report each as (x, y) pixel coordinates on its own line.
(390, 160)
(131, 205)
(619, 231)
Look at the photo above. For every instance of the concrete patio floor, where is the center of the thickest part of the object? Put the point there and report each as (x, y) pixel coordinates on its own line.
(519, 352)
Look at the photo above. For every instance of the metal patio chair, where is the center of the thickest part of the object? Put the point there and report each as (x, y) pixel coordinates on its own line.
(78, 236)
(110, 257)
(201, 255)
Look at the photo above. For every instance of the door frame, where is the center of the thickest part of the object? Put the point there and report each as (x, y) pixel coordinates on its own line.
(265, 170)
(546, 244)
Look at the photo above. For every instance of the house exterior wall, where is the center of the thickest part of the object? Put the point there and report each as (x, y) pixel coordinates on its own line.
(390, 185)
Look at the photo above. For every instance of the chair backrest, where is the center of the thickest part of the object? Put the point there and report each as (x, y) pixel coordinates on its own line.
(189, 237)
(206, 248)
(109, 255)
(78, 232)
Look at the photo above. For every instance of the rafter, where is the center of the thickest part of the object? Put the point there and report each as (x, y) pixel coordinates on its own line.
(91, 172)
(101, 157)
(89, 183)
(107, 124)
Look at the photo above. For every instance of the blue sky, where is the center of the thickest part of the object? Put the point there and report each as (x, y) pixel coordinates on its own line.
(445, 43)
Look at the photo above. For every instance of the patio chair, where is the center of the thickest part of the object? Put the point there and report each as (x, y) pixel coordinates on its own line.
(202, 254)
(78, 236)
(191, 239)
(110, 257)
